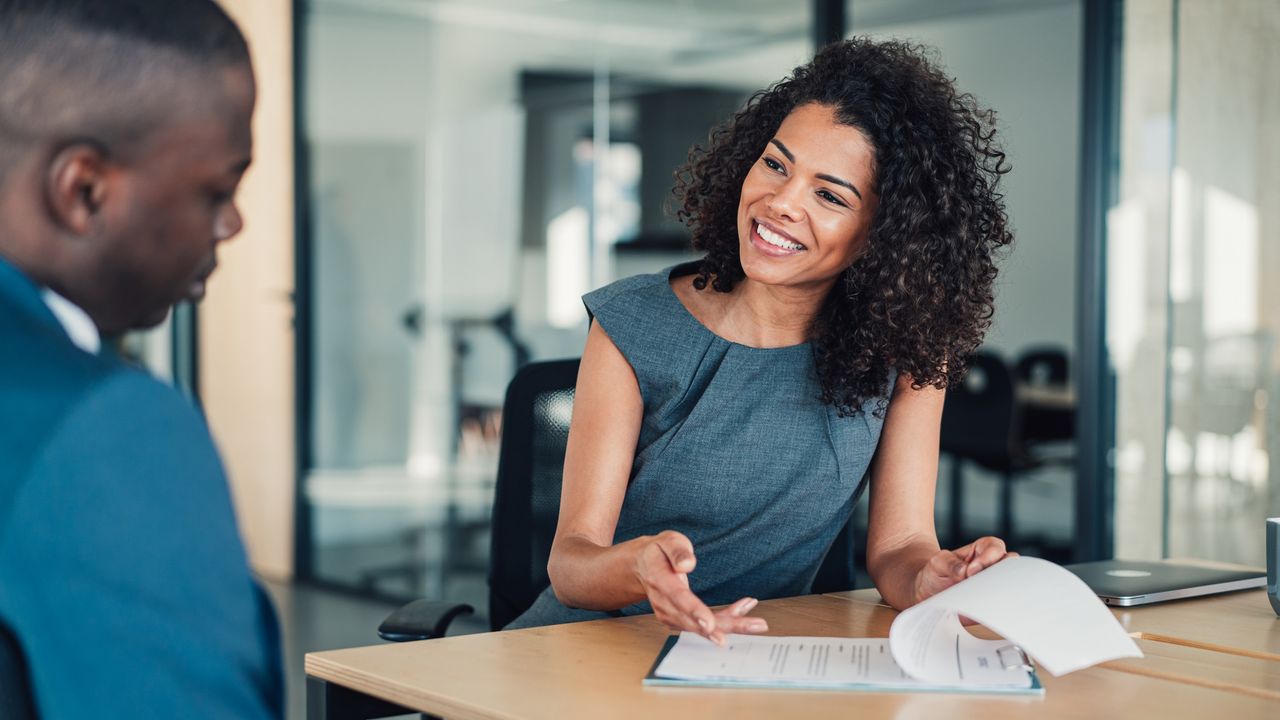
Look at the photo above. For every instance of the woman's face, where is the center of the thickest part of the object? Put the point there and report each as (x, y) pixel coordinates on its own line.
(807, 203)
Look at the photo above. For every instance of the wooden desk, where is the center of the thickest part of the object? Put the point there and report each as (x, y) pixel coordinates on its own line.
(593, 670)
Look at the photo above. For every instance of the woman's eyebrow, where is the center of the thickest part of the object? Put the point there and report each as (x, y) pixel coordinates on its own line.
(821, 176)
(783, 148)
(838, 181)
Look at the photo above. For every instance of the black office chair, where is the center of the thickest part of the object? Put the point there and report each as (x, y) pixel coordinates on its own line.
(980, 424)
(16, 702)
(526, 504)
(1045, 366)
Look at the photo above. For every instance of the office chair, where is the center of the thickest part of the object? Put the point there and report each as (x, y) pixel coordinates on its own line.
(535, 429)
(1045, 367)
(980, 424)
(16, 702)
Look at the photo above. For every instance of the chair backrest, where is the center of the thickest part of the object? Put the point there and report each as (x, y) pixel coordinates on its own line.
(978, 417)
(16, 702)
(526, 505)
(1043, 365)
(836, 573)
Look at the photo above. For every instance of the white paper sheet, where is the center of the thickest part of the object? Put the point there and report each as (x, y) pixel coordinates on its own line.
(1044, 609)
(1032, 604)
(822, 661)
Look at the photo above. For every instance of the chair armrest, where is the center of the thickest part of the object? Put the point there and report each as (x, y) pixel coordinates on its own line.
(421, 620)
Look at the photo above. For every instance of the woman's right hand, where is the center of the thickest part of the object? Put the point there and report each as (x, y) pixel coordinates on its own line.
(663, 566)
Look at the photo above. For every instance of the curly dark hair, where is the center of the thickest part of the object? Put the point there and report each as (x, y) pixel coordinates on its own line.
(919, 299)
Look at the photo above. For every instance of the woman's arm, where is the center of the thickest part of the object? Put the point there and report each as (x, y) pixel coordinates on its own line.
(903, 555)
(586, 569)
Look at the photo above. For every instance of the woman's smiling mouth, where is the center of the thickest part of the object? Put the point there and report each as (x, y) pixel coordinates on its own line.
(775, 241)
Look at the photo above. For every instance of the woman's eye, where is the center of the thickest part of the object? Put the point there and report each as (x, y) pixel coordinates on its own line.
(830, 197)
(772, 164)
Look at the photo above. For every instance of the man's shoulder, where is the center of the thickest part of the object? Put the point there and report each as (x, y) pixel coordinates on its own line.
(37, 354)
(44, 380)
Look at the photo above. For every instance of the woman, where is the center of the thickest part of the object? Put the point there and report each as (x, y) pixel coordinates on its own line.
(727, 412)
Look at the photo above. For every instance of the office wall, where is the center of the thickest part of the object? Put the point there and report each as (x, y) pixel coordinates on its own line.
(1025, 62)
(246, 361)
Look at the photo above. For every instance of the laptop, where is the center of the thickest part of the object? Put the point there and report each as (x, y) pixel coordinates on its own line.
(1134, 582)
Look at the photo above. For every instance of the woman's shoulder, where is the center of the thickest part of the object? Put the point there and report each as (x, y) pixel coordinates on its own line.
(646, 292)
(626, 287)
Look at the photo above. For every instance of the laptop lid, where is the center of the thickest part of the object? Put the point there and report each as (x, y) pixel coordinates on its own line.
(1137, 582)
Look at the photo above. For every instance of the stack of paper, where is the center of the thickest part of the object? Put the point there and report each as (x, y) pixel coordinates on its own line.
(1040, 609)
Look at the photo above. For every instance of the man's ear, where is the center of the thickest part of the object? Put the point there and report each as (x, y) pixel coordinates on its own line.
(76, 186)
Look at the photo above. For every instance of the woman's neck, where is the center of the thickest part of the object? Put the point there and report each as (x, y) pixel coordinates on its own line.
(754, 314)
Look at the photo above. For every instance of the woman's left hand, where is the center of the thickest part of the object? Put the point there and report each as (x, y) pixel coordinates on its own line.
(948, 567)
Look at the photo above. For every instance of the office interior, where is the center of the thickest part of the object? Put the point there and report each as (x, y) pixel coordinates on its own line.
(437, 182)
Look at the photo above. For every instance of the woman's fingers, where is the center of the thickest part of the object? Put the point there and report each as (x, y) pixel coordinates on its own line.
(986, 551)
(681, 608)
(947, 565)
(734, 619)
(943, 570)
(667, 563)
(684, 613)
(742, 607)
(665, 575)
(688, 604)
(678, 550)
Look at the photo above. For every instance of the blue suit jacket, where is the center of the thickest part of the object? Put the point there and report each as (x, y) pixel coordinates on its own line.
(122, 573)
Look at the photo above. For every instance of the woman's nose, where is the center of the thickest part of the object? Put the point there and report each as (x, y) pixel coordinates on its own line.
(787, 202)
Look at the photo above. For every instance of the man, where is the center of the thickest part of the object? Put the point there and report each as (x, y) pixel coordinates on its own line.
(124, 131)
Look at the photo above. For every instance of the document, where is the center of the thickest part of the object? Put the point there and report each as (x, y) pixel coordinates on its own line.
(1042, 612)
(828, 663)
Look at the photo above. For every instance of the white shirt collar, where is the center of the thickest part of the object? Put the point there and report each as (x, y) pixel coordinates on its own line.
(75, 321)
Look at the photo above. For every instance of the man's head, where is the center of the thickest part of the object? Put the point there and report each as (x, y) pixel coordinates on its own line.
(124, 131)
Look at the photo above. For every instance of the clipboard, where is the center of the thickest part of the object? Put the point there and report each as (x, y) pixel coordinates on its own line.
(1011, 656)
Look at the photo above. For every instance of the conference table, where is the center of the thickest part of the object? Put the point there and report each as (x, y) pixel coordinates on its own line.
(1215, 657)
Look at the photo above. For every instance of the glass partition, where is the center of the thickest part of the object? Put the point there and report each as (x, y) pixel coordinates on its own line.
(1194, 245)
(475, 167)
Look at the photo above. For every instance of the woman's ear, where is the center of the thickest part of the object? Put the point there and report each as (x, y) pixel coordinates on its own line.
(76, 186)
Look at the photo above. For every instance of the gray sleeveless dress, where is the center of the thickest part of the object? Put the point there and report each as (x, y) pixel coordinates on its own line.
(736, 451)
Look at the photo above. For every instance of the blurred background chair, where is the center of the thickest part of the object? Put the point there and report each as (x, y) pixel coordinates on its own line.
(536, 415)
(980, 425)
(1043, 366)
(1042, 389)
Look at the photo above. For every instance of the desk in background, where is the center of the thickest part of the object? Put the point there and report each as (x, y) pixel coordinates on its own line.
(1207, 658)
